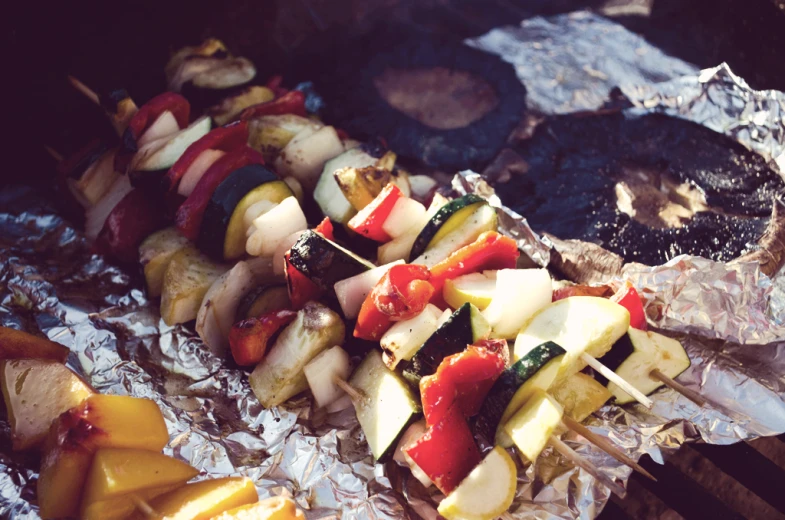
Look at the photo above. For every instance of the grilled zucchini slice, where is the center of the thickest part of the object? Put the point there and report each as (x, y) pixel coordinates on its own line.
(636, 354)
(389, 405)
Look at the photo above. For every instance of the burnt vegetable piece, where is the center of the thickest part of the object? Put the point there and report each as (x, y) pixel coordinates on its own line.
(441, 102)
(647, 187)
(324, 262)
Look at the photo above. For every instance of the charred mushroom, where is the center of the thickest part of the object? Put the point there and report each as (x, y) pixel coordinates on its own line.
(647, 188)
(441, 102)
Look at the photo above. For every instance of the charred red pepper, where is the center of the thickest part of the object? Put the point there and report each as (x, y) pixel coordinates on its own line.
(601, 291)
(628, 298)
(447, 452)
(225, 138)
(189, 215)
(293, 102)
(368, 222)
(301, 288)
(490, 251)
(134, 218)
(325, 228)
(462, 379)
(401, 294)
(249, 339)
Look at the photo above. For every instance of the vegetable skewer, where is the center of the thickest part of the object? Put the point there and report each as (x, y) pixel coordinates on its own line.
(569, 424)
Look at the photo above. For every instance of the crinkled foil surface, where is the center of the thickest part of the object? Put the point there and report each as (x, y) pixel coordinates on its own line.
(731, 319)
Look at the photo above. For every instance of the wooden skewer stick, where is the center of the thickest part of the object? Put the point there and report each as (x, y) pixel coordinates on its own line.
(143, 506)
(569, 454)
(54, 154)
(605, 445)
(349, 389)
(613, 377)
(692, 395)
(84, 89)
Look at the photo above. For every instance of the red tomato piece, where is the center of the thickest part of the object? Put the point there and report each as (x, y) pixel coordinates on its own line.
(401, 294)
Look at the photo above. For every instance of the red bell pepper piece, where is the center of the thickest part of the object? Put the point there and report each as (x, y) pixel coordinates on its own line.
(224, 138)
(150, 111)
(628, 298)
(602, 291)
(301, 288)
(189, 215)
(249, 339)
(447, 452)
(293, 102)
(401, 294)
(343, 135)
(134, 218)
(490, 251)
(274, 84)
(369, 220)
(462, 379)
(325, 228)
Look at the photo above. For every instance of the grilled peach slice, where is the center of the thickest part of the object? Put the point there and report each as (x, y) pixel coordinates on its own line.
(36, 392)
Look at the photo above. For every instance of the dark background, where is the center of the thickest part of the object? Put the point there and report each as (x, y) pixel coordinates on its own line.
(114, 43)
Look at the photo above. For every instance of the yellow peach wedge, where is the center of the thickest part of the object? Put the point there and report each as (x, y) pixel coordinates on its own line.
(15, 344)
(119, 478)
(36, 392)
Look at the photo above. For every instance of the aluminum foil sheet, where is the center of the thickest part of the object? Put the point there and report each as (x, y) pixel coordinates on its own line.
(729, 318)
(571, 62)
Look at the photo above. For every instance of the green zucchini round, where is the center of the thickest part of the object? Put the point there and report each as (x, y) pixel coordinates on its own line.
(440, 219)
(510, 387)
(225, 200)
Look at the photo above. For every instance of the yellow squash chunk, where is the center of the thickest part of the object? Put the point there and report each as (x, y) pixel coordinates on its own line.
(230, 108)
(276, 508)
(486, 493)
(36, 392)
(202, 500)
(580, 324)
(155, 253)
(532, 426)
(361, 185)
(474, 288)
(581, 395)
(120, 476)
(15, 344)
(118, 421)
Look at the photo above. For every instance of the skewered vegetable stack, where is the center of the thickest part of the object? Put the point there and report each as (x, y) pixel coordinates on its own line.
(435, 285)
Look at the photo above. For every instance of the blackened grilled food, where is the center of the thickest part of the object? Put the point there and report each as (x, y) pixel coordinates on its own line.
(434, 100)
(576, 166)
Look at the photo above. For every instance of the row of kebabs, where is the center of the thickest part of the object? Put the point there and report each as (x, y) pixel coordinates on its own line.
(442, 298)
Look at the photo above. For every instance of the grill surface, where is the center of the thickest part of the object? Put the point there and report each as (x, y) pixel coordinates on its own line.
(110, 44)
